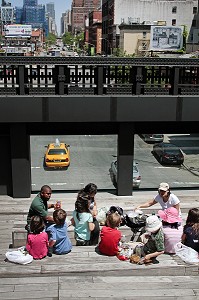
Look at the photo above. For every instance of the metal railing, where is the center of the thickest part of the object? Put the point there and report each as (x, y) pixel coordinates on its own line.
(98, 76)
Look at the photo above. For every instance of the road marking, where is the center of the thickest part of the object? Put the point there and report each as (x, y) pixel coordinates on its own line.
(35, 167)
(33, 184)
(181, 183)
(162, 167)
(58, 183)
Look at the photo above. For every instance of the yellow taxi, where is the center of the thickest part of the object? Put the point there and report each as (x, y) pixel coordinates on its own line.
(57, 155)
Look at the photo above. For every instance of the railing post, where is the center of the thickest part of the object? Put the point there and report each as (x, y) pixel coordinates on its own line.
(61, 80)
(138, 81)
(99, 80)
(21, 79)
(175, 81)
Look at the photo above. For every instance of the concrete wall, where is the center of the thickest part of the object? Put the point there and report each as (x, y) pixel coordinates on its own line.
(155, 10)
(22, 116)
(78, 109)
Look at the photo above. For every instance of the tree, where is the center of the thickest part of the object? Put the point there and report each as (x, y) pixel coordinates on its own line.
(51, 39)
(67, 38)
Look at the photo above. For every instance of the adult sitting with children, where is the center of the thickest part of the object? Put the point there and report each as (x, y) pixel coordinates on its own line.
(40, 206)
(164, 197)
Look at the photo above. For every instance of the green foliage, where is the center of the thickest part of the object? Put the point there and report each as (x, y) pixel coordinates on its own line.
(51, 39)
(67, 38)
(184, 35)
(120, 53)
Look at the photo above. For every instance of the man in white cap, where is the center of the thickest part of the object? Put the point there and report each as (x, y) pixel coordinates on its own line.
(164, 197)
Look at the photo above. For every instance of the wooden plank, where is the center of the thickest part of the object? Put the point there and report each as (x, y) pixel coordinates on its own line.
(116, 286)
(111, 292)
(140, 279)
(20, 295)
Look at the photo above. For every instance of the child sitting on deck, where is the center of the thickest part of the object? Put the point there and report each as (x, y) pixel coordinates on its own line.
(153, 240)
(59, 241)
(37, 241)
(110, 235)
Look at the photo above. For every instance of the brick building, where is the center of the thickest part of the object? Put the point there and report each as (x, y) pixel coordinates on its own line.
(79, 10)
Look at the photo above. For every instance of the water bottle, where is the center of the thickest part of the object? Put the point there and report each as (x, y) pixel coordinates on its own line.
(138, 250)
(123, 239)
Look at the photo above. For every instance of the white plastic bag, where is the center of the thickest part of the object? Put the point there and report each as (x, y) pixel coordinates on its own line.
(187, 254)
(101, 215)
(19, 256)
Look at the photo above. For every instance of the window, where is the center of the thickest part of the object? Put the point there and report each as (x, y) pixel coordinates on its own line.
(174, 9)
(194, 23)
(173, 22)
(194, 10)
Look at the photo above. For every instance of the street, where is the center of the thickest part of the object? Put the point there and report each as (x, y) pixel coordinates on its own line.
(91, 158)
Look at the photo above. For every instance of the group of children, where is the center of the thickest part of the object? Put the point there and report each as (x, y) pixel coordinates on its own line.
(162, 231)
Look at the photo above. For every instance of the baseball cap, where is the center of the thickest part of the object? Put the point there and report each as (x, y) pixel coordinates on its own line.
(153, 223)
(163, 186)
(169, 215)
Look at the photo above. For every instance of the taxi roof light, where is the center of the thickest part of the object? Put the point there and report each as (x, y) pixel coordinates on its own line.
(57, 143)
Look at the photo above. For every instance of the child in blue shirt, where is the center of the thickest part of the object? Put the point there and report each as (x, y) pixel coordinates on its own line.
(59, 241)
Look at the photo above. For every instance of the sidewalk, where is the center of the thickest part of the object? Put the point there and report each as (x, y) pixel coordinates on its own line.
(84, 273)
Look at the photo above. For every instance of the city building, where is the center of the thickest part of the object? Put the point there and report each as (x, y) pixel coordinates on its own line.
(50, 17)
(116, 12)
(135, 39)
(193, 37)
(7, 14)
(94, 31)
(79, 10)
(33, 14)
(66, 22)
(50, 10)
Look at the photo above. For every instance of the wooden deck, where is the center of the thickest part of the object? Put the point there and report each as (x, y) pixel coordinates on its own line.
(86, 274)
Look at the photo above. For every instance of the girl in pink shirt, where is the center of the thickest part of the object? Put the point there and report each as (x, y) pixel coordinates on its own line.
(37, 241)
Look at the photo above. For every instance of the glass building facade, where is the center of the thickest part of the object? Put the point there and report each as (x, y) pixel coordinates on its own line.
(33, 14)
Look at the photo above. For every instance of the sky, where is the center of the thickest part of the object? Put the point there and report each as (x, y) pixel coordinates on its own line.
(60, 7)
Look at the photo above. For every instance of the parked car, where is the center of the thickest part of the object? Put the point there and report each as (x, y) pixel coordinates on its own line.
(136, 174)
(152, 138)
(57, 155)
(168, 153)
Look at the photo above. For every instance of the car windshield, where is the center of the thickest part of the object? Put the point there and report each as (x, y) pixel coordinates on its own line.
(172, 149)
(57, 152)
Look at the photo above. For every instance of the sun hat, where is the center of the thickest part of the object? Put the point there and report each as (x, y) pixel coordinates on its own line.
(169, 215)
(163, 186)
(153, 223)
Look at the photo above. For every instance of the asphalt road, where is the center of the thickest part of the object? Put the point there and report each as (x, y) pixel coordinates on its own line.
(91, 158)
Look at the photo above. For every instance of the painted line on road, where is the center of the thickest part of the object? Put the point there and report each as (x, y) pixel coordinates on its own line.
(58, 183)
(35, 167)
(181, 183)
(162, 167)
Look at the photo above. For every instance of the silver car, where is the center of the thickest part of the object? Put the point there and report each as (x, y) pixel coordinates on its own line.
(136, 174)
(152, 138)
